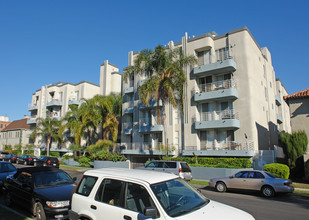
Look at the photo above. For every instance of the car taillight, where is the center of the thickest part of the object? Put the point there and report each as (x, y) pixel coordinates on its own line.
(58, 161)
(287, 183)
(14, 158)
(30, 158)
(48, 161)
(180, 170)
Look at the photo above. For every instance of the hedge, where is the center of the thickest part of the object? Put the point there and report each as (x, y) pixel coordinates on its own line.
(278, 169)
(221, 162)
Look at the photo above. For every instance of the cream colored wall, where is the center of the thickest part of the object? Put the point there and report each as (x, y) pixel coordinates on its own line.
(109, 81)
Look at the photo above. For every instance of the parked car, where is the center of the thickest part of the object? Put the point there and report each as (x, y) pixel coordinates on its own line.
(12, 158)
(25, 159)
(257, 180)
(6, 169)
(139, 194)
(46, 161)
(180, 168)
(3, 154)
(44, 191)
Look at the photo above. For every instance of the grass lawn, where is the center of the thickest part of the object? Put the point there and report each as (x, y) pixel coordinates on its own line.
(301, 185)
(71, 167)
(199, 182)
(7, 214)
(301, 192)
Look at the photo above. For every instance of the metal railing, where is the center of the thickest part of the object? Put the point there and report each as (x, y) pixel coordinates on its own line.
(218, 85)
(143, 146)
(218, 115)
(149, 121)
(223, 145)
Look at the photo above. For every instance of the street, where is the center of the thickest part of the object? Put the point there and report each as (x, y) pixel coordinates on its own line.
(280, 207)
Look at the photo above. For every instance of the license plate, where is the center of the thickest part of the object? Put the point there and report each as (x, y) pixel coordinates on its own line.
(54, 165)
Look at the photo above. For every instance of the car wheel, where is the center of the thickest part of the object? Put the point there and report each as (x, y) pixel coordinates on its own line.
(220, 187)
(39, 212)
(8, 199)
(268, 191)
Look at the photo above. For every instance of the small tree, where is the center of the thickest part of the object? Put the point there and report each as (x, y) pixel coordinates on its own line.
(294, 146)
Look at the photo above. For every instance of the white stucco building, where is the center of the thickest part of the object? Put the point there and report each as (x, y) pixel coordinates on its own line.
(233, 103)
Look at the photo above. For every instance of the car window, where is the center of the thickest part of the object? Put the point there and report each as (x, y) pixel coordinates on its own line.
(24, 177)
(151, 164)
(109, 192)
(137, 198)
(242, 174)
(6, 167)
(169, 165)
(258, 175)
(53, 178)
(86, 185)
(159, 164)
(185, 167)
(270, 175)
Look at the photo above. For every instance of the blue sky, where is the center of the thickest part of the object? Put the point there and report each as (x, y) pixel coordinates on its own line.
(47, 41)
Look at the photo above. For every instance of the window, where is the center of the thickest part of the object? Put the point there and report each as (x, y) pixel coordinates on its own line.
(86, 185)
(137, 198)
(222, 54)
(110, 192)
(204, 57)
(258, 175)
(243, 174)
(24, 177)
(169, 165)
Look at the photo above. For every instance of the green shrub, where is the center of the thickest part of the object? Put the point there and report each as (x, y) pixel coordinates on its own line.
(221, 162)
(84, 162)
(67, 157)
(51, 153)
(278, 169)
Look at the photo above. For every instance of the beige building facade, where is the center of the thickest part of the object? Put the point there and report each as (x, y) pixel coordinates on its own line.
(233, 103)
(55, 99)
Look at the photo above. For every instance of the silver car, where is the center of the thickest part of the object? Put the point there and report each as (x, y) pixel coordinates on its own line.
(179, 168)
(262, 181)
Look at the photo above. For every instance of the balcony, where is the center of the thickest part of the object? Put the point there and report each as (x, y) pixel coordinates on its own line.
(31, 120)
(128, 128)
(141, 82)
(222, 66)
(220, 90)
(227, 119)
(279, 119)
(147, 126)
(242, 148)
(152, 104)
(55, 115)
(32, 107)
(73, 101)
(128, 107)
(54, 102)
(278, 100)
(130, 88)
(146, 148)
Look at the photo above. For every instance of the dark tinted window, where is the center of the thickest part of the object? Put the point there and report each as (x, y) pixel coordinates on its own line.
(109, 192)
(185, 167)
(159, 164)
(258, 175)
(6, 167)
(170, 165)
(86, 185)
(242, 174)
(151, 165)
(51, 178)
(25, 177)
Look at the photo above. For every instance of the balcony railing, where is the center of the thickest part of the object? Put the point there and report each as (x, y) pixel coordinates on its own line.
(32, 107)
(54, 115)
(219, 115)
(225, 145)
(218, 85)
(54, 102)
(143, 146)
(73, 101)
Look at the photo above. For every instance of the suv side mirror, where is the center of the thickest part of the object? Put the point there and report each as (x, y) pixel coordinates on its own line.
(150, 211)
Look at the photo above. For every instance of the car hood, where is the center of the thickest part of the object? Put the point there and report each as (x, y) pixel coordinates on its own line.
(56, 193)
(216, 210)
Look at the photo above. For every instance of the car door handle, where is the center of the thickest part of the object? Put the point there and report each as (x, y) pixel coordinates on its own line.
(93, 207)
(127, 217)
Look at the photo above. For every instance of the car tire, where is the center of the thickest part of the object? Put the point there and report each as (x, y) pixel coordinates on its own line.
(8, 199)
(268, 191)
(39, 211)
(221, 187)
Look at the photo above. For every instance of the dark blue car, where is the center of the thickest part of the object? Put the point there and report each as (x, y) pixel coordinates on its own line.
(6, 169)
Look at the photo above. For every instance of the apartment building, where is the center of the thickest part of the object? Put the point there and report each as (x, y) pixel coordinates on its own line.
(16, 133)
(233, 103)
(55, 99)
(4, 121)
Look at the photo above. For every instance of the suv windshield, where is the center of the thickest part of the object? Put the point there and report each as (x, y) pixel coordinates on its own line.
(177, 197)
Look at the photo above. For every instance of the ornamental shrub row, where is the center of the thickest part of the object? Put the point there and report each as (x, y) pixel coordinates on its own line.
(220, 162)
(278, 169)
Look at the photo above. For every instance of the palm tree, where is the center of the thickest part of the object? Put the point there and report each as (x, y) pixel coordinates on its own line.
(167, 76)
(47, 128)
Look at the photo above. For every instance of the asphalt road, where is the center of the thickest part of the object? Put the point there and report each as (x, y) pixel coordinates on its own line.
(283, 207)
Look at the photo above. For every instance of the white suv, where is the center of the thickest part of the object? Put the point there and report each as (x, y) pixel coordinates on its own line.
(139, 194)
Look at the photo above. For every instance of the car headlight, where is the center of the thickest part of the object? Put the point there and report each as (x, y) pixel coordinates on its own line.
(58, 204)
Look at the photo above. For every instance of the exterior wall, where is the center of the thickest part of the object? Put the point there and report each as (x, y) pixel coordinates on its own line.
(14, 137)
(254, 108)
(109, 75)
(300, 115)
